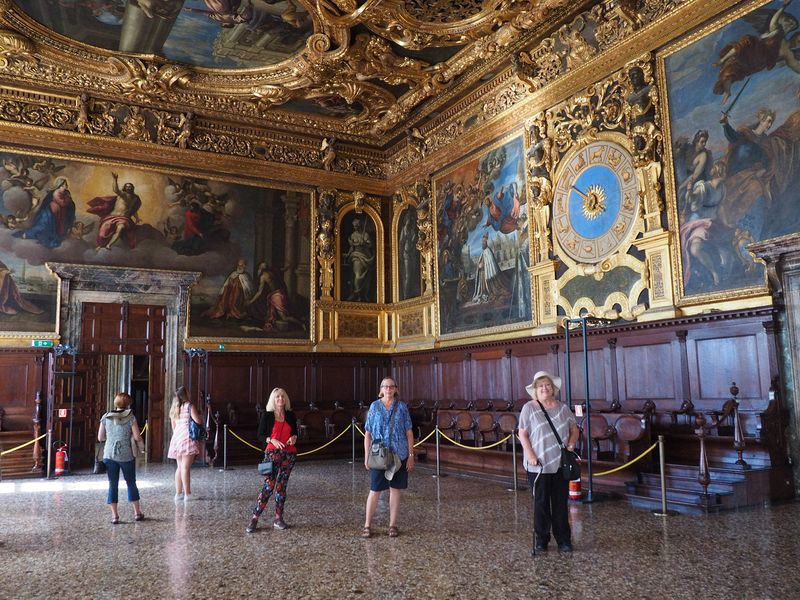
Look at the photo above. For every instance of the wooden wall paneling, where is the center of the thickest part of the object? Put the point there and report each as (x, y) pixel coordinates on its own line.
(335, 381)
(716, 362)
(451, 381)
(232, 379)
(21, 374)
(419, 385)
(487, 375)
(292, 373)
(645, 370)
(596, 359)
(612, 378)
(84, 397)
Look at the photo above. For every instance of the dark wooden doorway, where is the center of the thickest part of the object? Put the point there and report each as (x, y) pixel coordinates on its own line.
(134, 329)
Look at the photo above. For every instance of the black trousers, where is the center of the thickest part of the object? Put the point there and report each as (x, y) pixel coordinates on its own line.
(551, 493)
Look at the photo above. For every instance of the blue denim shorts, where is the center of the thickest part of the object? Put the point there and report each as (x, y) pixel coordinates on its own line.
(379, 483)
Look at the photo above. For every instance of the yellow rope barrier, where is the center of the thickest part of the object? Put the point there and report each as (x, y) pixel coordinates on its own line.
(425, 438)
(327, 444)
(23, 445)
(475, 447)
(627, 464)
(144, 428)
(358, 429)
(299, 453)
(233, 433)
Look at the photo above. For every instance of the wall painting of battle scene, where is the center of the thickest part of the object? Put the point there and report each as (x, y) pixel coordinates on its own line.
(206, 33)
(734, 114)
(358, 258)
(76, 212)
(482, 241)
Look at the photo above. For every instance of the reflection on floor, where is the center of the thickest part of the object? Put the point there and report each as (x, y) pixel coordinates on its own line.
(460, 538)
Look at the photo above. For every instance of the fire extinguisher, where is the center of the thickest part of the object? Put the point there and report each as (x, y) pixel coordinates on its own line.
(61, 458)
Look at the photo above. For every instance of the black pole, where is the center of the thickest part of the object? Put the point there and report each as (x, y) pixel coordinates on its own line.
(590, 495)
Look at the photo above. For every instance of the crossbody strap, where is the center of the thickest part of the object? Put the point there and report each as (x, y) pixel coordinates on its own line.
(555, 433)
(391, 423)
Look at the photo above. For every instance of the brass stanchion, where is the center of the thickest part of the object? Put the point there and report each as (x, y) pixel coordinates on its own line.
(664, 512)
(516, 487)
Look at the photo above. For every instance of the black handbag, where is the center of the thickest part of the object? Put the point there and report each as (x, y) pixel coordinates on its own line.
(197, 431)
(570, 468)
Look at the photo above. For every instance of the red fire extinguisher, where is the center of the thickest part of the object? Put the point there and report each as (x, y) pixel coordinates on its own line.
(61, 457)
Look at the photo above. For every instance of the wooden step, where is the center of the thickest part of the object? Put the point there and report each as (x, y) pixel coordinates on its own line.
(650, 503)
(18, 464)
(684, 483)
(679, 495)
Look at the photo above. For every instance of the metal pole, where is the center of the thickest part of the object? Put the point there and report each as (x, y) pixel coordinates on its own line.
(146, 445)
(590, 496)
(49, 450)
(353, 436)
(567, 365)
(225, 447)
(514, 457)
(664, 512)
(438, 470)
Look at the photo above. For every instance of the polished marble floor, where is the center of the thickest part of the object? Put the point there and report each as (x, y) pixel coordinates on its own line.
(460, 538)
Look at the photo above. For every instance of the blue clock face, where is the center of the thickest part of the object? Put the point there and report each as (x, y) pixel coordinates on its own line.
(595, 202)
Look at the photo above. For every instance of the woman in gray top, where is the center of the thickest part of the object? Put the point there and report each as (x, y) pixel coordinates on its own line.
(120, 432)
(543, 459)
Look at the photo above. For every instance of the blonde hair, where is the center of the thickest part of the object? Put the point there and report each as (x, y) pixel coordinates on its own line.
(122, 401)
(271, 401)
(396, 389)
(179, 398)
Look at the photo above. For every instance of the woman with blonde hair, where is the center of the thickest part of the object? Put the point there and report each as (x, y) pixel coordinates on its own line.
(119, 430)
(182, 448)
(277, 430)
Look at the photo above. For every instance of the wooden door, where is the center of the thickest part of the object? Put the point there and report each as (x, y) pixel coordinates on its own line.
(135, 329)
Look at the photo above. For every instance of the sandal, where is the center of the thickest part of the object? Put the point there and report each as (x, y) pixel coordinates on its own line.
(115, 520)
(393, 531)
(139, 517)
(366, 532)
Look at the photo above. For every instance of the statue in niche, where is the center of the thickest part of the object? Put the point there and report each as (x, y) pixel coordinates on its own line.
(409, 258)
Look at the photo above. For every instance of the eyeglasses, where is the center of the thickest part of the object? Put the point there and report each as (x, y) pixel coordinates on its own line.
(388, 386)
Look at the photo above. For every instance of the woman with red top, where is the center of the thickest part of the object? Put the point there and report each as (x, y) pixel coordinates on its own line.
(277, 429)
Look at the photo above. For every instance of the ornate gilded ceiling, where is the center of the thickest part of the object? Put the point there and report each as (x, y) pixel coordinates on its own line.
(364, 71)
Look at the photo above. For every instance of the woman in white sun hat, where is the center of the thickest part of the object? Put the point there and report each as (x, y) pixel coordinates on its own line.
(543, 459)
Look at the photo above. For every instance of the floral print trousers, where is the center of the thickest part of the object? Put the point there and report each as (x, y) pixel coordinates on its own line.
(282, 465)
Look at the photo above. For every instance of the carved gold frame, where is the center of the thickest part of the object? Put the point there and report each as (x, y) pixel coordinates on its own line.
(371, 206)
(724, 297)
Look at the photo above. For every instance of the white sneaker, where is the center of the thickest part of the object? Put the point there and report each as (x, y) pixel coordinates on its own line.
(178, 498)
(187, 498)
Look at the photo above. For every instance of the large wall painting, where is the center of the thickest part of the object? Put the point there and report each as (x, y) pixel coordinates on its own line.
(358, 251)
(206, 33)
(77, 212)
(482, 241)
(408, 266)
(734, 118)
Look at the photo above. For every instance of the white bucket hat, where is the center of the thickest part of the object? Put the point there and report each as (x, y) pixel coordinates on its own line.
(539, 374)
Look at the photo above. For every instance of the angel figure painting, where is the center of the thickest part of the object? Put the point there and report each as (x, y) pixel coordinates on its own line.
(73, 212)
(734, 117)
(482, 241)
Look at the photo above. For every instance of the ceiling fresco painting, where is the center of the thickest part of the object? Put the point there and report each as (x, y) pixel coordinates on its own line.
(204, 33)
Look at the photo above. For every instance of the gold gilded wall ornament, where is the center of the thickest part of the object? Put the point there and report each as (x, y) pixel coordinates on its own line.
(577, 50)
(537, 67)
(326, 238)
(15, 47)
(148, 80)
(327, 152)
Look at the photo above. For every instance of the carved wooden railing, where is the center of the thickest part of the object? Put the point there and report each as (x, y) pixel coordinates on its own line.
(37, 428)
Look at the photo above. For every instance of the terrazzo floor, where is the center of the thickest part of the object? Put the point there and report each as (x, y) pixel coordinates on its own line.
(460, 538)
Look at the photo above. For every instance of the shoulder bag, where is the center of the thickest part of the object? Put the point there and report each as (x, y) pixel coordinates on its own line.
(380, 457)
(197, 431)
(570, 467)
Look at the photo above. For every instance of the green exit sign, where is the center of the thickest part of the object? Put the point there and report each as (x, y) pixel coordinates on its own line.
(42, 343)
